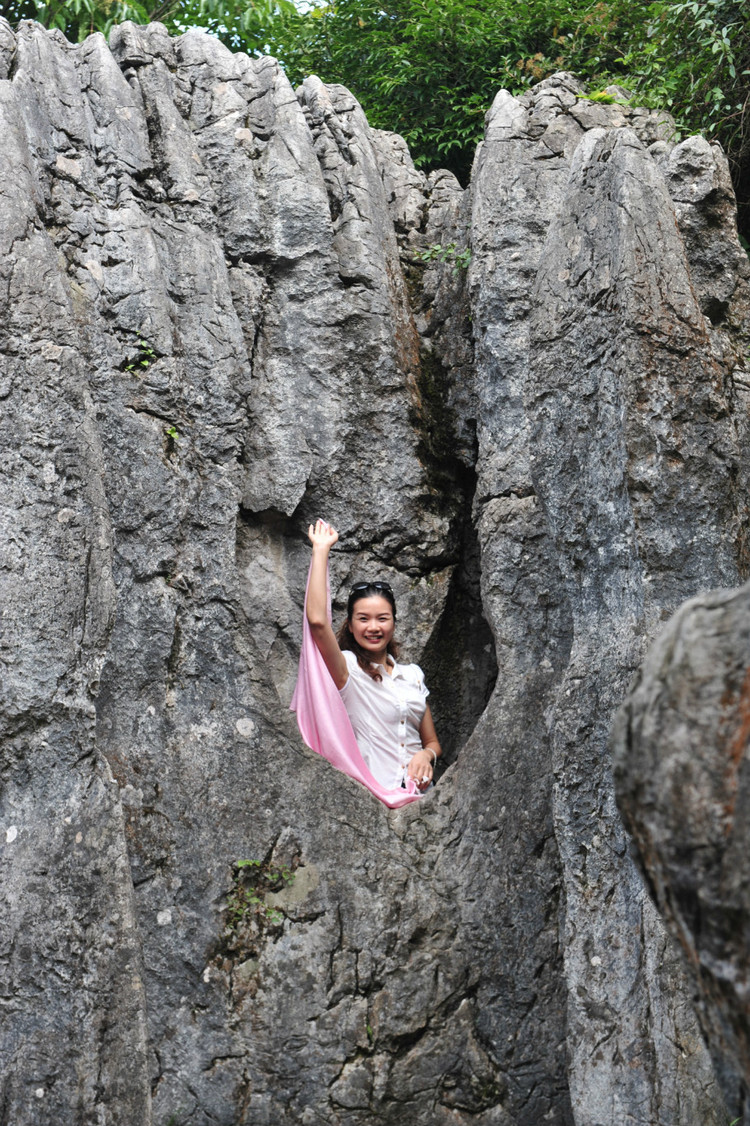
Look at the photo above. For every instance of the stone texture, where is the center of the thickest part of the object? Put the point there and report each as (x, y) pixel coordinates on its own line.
(682, 766)
(219, 323)
(574, 309)
(630, 483)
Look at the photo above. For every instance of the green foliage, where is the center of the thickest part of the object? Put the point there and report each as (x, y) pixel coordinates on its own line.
(239, 22)
(76, 18)
(428, 69)
(692, 59)
(424, 68)
(143, 358)
(246, 906)
(179, 1116)
(600, 96)
(459, 259)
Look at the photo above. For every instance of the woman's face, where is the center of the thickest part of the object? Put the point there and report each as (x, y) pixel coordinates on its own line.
(372, 623)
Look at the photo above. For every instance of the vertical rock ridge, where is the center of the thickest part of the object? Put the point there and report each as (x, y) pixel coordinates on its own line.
(65, 864)
(605, 350)
(552, 446)
(682, 786)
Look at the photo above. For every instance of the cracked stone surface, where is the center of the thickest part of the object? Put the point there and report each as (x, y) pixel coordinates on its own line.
(218, 325)
(681, 753)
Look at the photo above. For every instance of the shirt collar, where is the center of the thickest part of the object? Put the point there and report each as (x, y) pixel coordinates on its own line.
(397, 670)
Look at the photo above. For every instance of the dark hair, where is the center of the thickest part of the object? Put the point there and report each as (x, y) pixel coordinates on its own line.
(345, 637)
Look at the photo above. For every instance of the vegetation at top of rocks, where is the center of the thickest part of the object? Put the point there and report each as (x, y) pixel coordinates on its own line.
(243, 23)
(600, 96)
(428, 69)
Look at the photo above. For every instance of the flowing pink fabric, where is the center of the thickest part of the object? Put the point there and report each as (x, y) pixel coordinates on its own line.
(324, 724)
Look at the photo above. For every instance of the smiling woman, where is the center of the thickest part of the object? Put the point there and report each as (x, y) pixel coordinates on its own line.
(385, 700)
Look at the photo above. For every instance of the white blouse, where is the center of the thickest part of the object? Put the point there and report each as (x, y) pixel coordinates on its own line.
(386, 716)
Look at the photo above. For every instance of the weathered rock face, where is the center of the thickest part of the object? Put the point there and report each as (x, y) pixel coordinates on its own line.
(216, 328)
(683, 773)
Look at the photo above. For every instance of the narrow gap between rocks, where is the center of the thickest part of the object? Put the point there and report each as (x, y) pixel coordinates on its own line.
(459, 661)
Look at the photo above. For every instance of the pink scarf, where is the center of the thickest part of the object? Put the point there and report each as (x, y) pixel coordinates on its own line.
(324, 724)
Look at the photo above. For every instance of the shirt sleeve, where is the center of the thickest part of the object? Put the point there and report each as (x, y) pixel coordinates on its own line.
(352, 666)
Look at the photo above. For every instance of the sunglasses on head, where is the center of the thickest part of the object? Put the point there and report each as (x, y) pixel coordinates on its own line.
(377, 585)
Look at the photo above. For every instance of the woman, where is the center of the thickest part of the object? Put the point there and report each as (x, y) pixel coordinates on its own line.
(385, 700)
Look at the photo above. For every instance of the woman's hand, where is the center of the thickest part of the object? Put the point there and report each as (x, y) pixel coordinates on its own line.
(420, 768)
(322, 535)
(423, 762)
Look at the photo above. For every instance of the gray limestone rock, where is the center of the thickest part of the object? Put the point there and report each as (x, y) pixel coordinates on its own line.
(632, 526)
(571, 257)
(229, 309)
(681, 757)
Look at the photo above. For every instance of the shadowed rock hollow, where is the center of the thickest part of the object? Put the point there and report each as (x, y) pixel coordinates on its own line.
(216, 327)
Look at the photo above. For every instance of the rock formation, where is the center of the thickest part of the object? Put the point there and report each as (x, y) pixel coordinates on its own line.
(682, 763)
(221, 319)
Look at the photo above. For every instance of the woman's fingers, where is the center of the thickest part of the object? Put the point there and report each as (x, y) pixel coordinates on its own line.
(419, 772)
(321, 532)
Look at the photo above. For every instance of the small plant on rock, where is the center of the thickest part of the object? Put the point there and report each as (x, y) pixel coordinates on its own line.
(246, 908)
(450, 254)
(600, 96)
(143, 358)
(248, 921)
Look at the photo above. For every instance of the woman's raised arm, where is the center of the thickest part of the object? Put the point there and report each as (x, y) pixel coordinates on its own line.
(323, 537)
